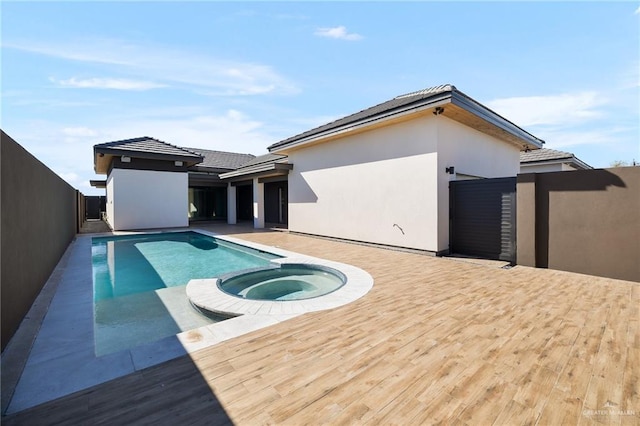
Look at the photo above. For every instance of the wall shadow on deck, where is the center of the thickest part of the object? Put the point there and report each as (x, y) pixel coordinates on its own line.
(173, 392)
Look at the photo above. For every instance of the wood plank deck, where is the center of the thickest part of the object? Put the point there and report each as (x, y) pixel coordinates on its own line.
(436, 340)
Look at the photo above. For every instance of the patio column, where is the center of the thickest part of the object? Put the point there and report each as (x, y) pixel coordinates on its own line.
(231, 204)
(258, 204)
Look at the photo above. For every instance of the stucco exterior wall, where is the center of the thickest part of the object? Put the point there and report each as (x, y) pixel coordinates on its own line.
(109, 203)
(39, 219)
(144, 199)
(389, 185)
(471, 153)
(378, 186)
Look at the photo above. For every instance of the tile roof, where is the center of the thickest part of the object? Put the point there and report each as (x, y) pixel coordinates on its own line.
(222, 159)
(264, 159)
(544, 154)
(263, 165)
(388, 106)
(552, 155)
(147, 145)
(430, 97)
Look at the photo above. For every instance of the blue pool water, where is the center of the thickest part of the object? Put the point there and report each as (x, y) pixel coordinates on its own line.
(139, 283)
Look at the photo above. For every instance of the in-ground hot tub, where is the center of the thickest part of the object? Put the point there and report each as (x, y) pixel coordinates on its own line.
(290, 281)
(292, 285)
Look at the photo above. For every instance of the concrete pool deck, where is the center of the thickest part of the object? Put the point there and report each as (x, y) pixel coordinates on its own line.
(435, 340)
(63, 357)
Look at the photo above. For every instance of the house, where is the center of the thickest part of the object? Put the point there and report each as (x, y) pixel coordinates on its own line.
(550, 160)
(382, 175)
(153, 184)
(379, 176)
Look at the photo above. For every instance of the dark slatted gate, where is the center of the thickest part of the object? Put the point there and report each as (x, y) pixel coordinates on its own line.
(483, 218)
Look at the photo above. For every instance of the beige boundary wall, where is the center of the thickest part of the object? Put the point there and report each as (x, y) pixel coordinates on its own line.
(39, 218)
(585, 221)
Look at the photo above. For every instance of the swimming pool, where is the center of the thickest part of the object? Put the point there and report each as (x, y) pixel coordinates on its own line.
(139, 283)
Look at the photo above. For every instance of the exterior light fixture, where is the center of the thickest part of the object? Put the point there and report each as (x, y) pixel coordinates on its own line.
(451, 170)
(125, 159)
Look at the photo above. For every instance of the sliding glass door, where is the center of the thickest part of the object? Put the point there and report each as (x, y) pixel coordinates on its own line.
(207, 203)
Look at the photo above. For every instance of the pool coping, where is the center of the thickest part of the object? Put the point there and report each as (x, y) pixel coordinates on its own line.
(61, 358)
(206, 295)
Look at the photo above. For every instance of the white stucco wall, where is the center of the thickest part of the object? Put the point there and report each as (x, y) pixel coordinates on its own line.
(144, 199)
(389, 185)
(472, 153)
(360, 186)
(109, 207)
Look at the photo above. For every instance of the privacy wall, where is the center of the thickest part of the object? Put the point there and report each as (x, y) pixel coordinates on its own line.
(39, 218)
(585, 221)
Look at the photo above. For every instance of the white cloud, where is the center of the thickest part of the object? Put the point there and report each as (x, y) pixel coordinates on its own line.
(164, 64)
(232, 131)
(637, 12)
(338, 32)
(563, 109)
(70, 177)
(562, 120)
(108, 83)
(78, 132)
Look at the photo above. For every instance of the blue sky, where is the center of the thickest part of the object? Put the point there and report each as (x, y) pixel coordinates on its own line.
(241, 76)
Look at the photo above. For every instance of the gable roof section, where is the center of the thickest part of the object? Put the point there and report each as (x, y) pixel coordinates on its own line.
(143, 147)
(547, 155)
(221, 159)
(463, 109)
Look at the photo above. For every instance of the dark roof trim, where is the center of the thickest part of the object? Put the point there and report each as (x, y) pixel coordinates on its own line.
(100, 184)
(148, 155)
(258, 170)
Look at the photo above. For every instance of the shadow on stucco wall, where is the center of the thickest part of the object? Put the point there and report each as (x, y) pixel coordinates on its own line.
(585, 221)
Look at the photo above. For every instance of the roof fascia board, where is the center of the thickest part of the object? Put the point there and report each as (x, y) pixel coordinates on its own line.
(549, 161)
(199, 168)
(149, 155)
(425, 104)
(463, 101)
(261, 168)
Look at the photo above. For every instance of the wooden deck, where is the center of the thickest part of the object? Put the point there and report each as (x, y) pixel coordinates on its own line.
(436, 340)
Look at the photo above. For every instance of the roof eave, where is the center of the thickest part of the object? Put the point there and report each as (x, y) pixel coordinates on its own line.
(524, 139)
(100, 184)
(260, 170)
(194, 159)
(102, 167)
(426, 104)
(463, 101)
